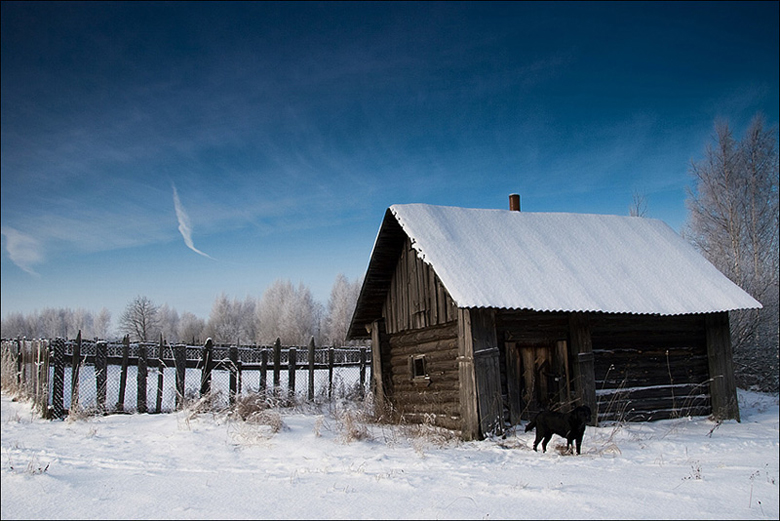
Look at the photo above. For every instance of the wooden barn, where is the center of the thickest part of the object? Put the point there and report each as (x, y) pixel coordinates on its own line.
(479, 318)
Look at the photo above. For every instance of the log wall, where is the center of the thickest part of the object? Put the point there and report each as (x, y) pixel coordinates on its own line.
(435, 400)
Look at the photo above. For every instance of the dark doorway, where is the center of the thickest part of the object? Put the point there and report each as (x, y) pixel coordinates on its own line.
(537, 378)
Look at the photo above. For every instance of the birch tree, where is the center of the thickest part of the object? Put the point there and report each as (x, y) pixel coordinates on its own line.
(733, 221)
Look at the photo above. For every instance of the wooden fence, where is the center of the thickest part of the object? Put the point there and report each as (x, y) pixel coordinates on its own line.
(48, 371)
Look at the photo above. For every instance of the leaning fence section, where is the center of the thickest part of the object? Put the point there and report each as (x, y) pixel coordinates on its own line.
(121, 377)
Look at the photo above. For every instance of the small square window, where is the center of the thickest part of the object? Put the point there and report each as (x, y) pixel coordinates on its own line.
(419, 372)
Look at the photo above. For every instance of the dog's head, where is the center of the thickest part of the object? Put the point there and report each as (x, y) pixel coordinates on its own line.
(581, 415)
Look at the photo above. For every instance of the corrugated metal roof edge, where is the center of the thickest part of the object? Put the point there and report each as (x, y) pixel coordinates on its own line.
(608, 312)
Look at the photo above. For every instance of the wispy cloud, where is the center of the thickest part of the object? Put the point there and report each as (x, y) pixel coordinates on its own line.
(185, 228)
(23, 250)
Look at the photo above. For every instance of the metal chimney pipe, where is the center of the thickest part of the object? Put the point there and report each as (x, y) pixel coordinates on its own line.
(514, 202)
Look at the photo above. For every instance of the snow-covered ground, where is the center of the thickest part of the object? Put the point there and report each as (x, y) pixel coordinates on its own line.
(323, 464)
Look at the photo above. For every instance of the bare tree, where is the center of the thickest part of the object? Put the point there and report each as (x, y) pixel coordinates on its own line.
(140, 320)
(638, 206)
(733, 221)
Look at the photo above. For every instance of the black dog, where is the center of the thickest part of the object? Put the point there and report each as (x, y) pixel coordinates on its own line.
(570, 425)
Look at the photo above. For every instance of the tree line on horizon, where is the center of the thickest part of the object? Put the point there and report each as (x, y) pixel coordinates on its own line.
(284, 311)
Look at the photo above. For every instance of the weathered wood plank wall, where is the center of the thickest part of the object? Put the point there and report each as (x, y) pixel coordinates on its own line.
(417, 298)
(650, 367)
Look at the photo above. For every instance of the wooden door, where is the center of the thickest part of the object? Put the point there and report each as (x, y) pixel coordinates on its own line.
(537, 378)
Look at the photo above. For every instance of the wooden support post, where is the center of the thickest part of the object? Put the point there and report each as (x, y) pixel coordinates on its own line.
(233, 386)
(101, 374)
(263, 371)
(723, 388)
(160, 371)
(58, 376)
(469, 418)
(584, 371)
(75, 368)
(377, 383)
(206, 366)
(120, 404)
(141, 379)
(311, 369)
(180, 360)
(277, 366)
(331, 361)
(362, 372)
(292, 366)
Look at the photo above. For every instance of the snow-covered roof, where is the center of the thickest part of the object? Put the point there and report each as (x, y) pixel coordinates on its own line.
(548, 262)
(566, 262)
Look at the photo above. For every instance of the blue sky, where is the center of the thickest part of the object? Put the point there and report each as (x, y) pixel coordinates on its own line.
(182, 150)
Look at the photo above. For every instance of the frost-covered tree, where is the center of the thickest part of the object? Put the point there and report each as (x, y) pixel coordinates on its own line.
(140, 320)
(288, 313)
(169, 323)
(52, 323)
(81, 320)
(17, 325)
(341, 305)
(191, 328)
(733, 221)
(232, 321)
(102, 324)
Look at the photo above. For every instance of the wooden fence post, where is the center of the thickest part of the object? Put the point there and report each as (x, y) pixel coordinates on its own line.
(101, 374)
(160, 370)
(19, 364)
(120, 403)
(142, 369)
(180, 360)
(233, 353)
(205, 375)
(41, 364)
(277, 366)
(263, 370)
(311, 369)
(292, 365)
(75, 368)
(331, 360)
(58, 376)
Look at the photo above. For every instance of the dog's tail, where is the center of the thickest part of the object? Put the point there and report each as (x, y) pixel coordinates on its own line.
(530, 426)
